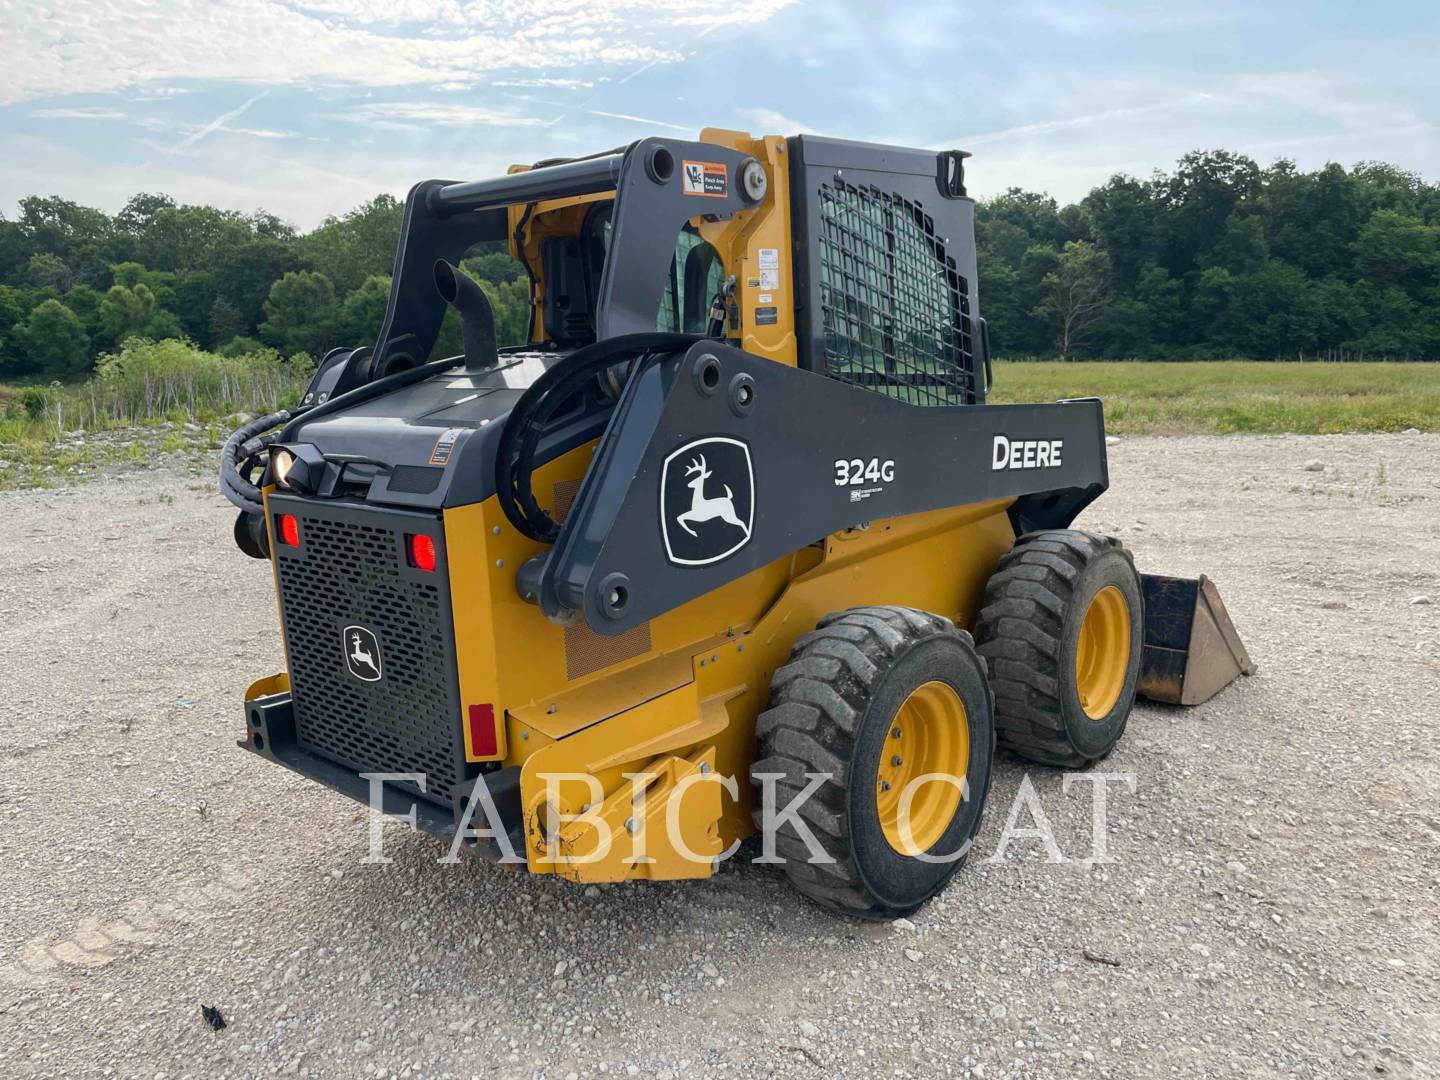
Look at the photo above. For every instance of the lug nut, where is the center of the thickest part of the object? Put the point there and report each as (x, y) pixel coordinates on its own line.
(895, 733)
(895, 760)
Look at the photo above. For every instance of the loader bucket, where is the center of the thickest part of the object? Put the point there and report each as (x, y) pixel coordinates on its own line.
(1192, 651)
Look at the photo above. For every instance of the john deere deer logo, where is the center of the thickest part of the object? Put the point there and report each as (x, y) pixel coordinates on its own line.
(707, 501)
(703, 509)
(362, 653)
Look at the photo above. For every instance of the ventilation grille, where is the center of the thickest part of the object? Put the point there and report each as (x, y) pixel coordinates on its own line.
(415, 479)
(896, 311)
(564, 498)
(350, 573)
(587, 651)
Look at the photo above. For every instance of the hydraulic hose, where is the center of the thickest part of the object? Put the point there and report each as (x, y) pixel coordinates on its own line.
(527, 422)
(244, 451)
(241, 456)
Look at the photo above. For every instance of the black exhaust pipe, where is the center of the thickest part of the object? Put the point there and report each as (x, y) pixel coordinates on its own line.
(477, 321)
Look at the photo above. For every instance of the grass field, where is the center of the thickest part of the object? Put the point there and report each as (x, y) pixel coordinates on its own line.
(1236, 396)
(1217, 397)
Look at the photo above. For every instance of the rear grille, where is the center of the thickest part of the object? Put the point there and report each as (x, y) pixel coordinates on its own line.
(350, 571)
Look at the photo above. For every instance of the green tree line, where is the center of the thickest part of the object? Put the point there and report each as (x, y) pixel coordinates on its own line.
(1219, 258)
(75, 282)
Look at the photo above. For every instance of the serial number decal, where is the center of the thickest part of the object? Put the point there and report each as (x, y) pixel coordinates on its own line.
(855, 472)
(1026, 453)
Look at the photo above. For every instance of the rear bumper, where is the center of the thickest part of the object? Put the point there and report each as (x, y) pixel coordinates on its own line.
(270, 734)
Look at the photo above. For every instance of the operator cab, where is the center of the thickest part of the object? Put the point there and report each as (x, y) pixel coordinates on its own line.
(573, 266)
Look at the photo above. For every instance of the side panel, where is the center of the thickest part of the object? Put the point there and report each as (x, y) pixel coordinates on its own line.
(938, 561)
(757, 247)
(563, 678)
(721, 462)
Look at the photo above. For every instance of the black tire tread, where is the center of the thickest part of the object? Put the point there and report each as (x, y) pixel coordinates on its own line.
(816, 701)
(1019, 635)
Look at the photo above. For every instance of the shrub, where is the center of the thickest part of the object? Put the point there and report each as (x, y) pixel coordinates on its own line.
(147, 380)
(36, 401)
(54, 339)
(241, 346)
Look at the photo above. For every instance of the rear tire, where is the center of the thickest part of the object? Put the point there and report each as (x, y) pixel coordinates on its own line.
(1062, 632)
(875, 697)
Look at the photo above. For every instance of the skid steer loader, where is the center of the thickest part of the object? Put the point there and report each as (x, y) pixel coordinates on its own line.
(732, 543)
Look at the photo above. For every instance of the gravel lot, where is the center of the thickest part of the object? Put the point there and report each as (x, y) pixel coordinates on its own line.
(1272, 907)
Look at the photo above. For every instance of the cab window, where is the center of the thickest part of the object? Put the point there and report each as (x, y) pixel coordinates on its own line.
(696, 273)
(696, 276)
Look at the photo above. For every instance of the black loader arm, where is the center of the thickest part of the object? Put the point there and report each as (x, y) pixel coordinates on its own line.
(718, 462)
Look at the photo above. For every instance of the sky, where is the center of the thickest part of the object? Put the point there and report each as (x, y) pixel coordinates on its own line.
(306, 108)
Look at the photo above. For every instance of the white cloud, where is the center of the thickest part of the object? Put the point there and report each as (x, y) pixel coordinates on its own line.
(160, 126)
(774, 122)
(108, 45)
(220, 121)
(301, 188)
(160, 92)
(688, 128)
(93, 112)
(545, 82)
(442, 114)
(1048, 127)
(1133, 124)
(259, 133)
(1081, 18)
(301, 181)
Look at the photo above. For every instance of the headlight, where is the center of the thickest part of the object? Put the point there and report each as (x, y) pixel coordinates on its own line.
(280, 462)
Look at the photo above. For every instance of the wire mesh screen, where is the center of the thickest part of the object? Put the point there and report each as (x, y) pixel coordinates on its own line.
(409, 720)
(896, 312)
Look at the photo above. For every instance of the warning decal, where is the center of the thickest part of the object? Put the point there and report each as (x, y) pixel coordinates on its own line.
(444, 446)
(708, 178)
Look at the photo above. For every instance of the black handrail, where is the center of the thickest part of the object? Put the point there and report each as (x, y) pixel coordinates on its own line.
(581, 177)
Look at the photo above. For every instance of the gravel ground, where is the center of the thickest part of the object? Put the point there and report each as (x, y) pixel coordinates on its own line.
(1271, 908)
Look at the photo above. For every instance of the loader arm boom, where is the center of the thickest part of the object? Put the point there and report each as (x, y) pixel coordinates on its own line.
(783, 458)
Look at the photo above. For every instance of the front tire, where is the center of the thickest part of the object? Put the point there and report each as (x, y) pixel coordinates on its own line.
(1062, 631)
(876, 699)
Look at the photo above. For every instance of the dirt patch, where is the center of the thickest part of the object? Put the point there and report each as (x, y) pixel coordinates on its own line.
(1271, 907)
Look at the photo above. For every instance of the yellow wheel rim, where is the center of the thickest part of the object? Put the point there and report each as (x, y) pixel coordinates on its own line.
(1102, 655)
(930, 734)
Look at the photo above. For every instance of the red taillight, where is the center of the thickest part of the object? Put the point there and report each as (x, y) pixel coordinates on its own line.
(484, 740)
(422, 553)
(289, 530)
